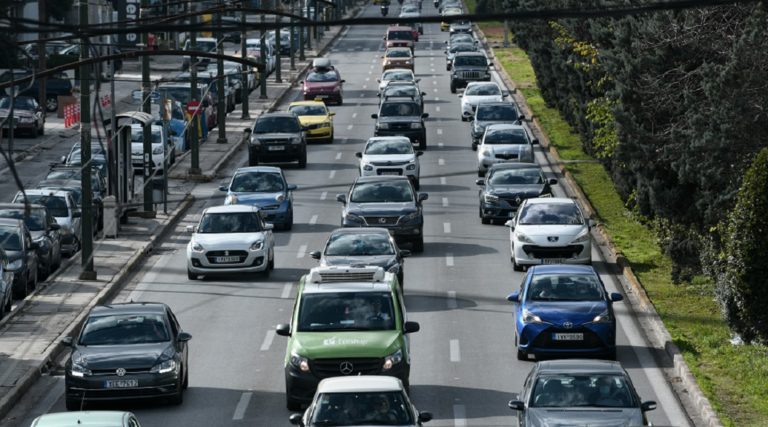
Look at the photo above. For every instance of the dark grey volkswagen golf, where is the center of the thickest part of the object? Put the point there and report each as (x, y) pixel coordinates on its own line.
(127, 351)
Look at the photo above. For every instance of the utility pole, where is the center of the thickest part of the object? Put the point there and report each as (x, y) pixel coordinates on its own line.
(221, 114)
(309, 30)
(244, 54)
(278, 56)
(293, 35)
(194, 95)
(263, 53)
(301, 33)
(147, 108)
(86, 237)
(506, 33)
(41, 55)
(315, 11)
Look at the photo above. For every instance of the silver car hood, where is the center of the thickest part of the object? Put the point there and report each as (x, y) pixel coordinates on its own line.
(583, 417)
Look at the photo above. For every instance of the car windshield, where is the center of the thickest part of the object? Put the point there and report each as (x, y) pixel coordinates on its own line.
(33, 221)
(462, 38)
(397, 76)
(382, 192)
(124, 329)
(339, 311)
(485, 89)
(507, 136)
(409, 9)
(516, 177)
(462, 47)
(257, 182)
(322, 76)
(402, 109)
(400, 35)
(10, 238)
(583, 390)
(398, 53)
(21, 103)
(497, 113)
(137, 135)
(230, 222)
(277, 125)
(362, 408)
(309, 110)
(564, 287)
(389, 147)
(409, 91)
(56, 205)
(363, 244)
(470, 61)
(550, 214)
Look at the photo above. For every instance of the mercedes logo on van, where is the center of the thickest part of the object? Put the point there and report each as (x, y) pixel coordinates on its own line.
(346, 367)
(120, 372)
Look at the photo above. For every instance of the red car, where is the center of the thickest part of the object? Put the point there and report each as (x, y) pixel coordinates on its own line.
(400, 37)
(324, 82)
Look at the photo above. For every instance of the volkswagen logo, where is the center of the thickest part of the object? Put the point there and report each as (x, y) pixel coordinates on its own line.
(120, 372)
(553, 238)
(382, 220)
(346, 367)
(567, 325)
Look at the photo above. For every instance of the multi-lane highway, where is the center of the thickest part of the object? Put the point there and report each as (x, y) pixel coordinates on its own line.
(464, 366)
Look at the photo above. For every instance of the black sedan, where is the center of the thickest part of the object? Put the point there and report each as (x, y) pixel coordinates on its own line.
(22, 255)
(363, 246)
(44, 231)
(127, 351)
(506, 185)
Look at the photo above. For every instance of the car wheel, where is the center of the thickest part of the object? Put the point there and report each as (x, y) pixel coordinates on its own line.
(474, 146)
(485, 220)
(611, 355)
(51, 104)
(74, 404)
(185, 384)
(423, 144)
(416, 184)
(289, 223)
(341, 101)
(401, 279)
(271, 261)
(8, 305)
(463, 119)
(41, 131)
(407, 386)
(303, 161)
(330, 139)
(453, 88)
(191, 275)
(178, 398)
(253, 158)
(291, 404)
(418, 245)
(515, 265)
(480, 173)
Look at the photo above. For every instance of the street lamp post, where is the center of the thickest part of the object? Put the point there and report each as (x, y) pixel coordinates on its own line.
(263, 53)
(86, 237)
(194, 95)
(245, 91)
(221, 113)
(293, 36)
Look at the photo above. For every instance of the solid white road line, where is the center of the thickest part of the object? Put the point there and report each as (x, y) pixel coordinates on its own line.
(451, 302)
(302, 251)
(313, 220)
(447, 227)
(242, 405)
(365, 86)
(449, 260)
(338, 155)
(323, 195)
(441, 162)
(454, 351)
(437, 99)
(442, 180)
(268, 340)
(435, 90)
(445, 202)
(459, 415)
(287, 290)
(332, 174)
(367, 79)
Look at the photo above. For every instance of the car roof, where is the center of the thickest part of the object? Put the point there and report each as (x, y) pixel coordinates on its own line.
(270, 169)
(360, 230)
(129, 308)
(381, 178)
(231, 208)
(21, 206)
(399, 98)
(44, 192)
(392, 70)
(496, 104)
(551, 200)
(206, 39)
(562, 269)
(397, 28)
(82, 418)
(514, 165)
(476, 53)
(360, 383)
(320, 288)
(387, 138)
(577, 366)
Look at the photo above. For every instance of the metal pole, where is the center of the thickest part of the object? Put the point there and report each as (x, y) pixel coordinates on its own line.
(246, 91)
(41, 55)
(506, 33)
(11, 120)
(194, 168)
(301, 33)
(309, 30)
(165, 113)
(113, 170)
(278, 56)
(221, 114)
(263, 53)
(314, 18)
(86, 237)
(147, 108)
(293, 36)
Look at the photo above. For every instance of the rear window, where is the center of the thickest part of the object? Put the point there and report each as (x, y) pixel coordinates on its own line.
(400, 35)
(471, 61)
(277, 125)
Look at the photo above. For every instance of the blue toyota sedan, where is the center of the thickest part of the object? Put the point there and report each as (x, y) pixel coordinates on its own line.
(564, 310)
(265, 187)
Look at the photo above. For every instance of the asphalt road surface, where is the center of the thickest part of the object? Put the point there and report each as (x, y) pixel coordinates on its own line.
(463, 359)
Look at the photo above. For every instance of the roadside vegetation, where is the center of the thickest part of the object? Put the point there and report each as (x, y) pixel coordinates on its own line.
(733, 377)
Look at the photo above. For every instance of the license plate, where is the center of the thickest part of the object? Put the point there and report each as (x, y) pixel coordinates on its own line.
(568, 336)
(226, 259)
(390, 173)
(121, 383)
(276, 148)
(553, 261)
(321, 96)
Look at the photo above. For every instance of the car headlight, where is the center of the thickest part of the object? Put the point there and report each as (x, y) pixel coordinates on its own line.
(79, 371)
(411, 167)
(407, 62)
(490, 198)
(382, 125)
(352, 218)
(415, 125)
(603, 317)
(529, 317)
(393, 359)
(337, 89)
(582, 237)
(280, 197)
(164, 367)
(523, 238)
(295, 140)
(411, 217)
(302, 363)
(197, 247)
(15, 265)
(157, 150)
(26, 119)
(231, 199)
(255, 142)
(367, 167)
(257, 246)
(486, 153)
(326, 124)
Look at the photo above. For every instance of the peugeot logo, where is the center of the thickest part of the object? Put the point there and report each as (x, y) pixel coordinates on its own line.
(567, 325)
(382, 220)
(120, 372)
(346, 367)
(552, 238)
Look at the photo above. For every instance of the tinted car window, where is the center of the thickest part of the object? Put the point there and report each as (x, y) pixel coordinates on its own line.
(359, 244)
(397, 76)
(276, 124)
(21, 102)
(389, 147)
(317, 76)
(550, 214)
(463, 47)
(178, 93)
(309, 110)
(398, 53)
(399, 109)
(497, 113)
(33, 221)
(483, 89)
(400, 35)
(516, 177)
(257, 182)
(124, 329)
(582, 390)
(471, 61)
(505, 136)
(57, 206)
(376, 408)
(230, 222)
(573, 287)
(338, 311)
(382, 192)
(10, 238)
(139, 136)
(401, 91)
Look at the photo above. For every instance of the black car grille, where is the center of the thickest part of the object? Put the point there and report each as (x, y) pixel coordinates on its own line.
(381, 220)
(211, 256)
(314, 126)
(128, 371)
(389, 171)
(274, 141)
(544, 339)
(569, 251)
(400, 126)
(507, 156)
(389, 163)
(325, 368)
(513, 201)
(470, 74)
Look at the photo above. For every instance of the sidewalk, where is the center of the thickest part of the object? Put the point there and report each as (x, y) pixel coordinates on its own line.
(30, 336)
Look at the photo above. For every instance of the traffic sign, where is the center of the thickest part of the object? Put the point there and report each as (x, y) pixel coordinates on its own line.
(193, 107)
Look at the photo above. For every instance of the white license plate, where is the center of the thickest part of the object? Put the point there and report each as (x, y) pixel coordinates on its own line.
(390, 173)
(226, 259)
(553, 261)
(568, 336)
(321, 96)
(276, 148)
(121, 383)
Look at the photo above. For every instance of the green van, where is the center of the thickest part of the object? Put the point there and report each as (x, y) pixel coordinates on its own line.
(346, 321)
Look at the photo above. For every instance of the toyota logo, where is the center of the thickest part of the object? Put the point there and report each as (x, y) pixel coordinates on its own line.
(382, 220)
(552, 238)
(567, 325)
(346, 367)
(120, 372)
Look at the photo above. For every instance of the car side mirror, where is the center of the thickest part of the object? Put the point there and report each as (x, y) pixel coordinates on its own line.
(423, 94)
(315, 254)
(374, 116)
(535, 141)
(184, 337)
(55, 226)
(269, 226)
(461, 95)
(191, 229)
(283, 329)
(417, 80)
(67, 341)
(411, 327)
(63, 159)
(590, 223)
(341, 198)
(419, 153)
(425, 416)
(552, 181)
(423, 196)
(332, 113)
(224, 188)
(516, 405)
(514, 297)
(405, 253)
(510, 223)
(615, 297)
(292, 187)
(359, 155)
(77, 214)
(480, 182)
(343, 81)
(34, 246)
(296, 419)
(649, 405)
(425, 115)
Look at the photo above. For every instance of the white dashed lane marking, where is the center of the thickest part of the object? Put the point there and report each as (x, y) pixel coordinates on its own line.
(332, 174)
(452, 305)
(441, 162)
(242, 405)
(459, 415)
(286, 290)
(313, 220)
(302, 251)
(323, 195)
(268, 340)
(455, 353)
(449, 260)
(442, 180)
(445, 202)
(338, 156)
(447, 227)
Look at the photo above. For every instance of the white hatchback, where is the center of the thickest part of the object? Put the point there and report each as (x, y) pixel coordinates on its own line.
(549, 230)
(390, 155)
(230, 239)
(161, 147)
(478, 93)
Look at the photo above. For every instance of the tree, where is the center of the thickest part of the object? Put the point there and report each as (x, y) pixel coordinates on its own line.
(742, 289)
